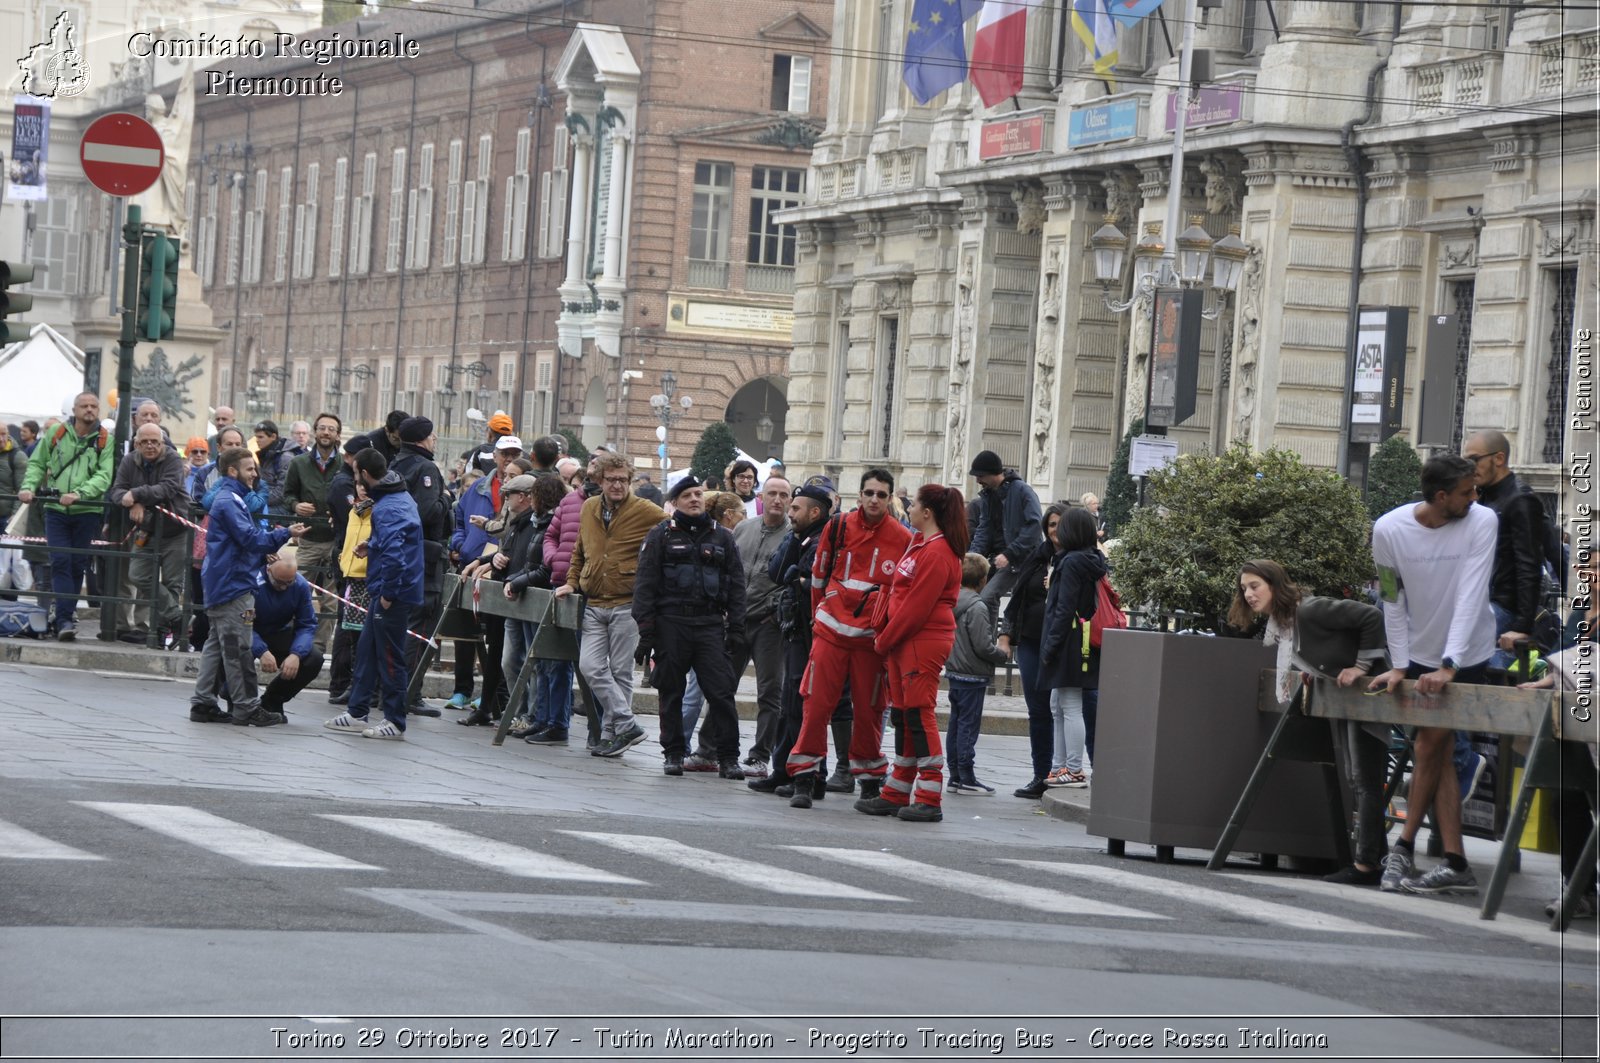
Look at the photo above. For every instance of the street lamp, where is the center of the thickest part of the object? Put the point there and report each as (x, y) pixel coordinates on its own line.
(361, 372)
(260, 402)
(1153, 268)
(476, 370)
(661, 403)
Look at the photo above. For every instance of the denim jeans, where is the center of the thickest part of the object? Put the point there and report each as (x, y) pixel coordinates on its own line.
(966, 716)
(518, 637)
(1040, 726)
(694, 701)
(1066, 706)
(68, 531)
(554, 699)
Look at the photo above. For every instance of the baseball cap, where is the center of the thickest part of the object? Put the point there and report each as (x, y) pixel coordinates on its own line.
(500, 422)
(523, 484)
(508, 443)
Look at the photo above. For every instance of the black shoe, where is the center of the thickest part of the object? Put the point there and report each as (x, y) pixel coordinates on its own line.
(259, 718)
(800, 790)
(920, 813)
(66, 631)
(419, 709)
(729, 769)
(479, 717)
(1033, 791)
(768, 785)
(819, 787)
(133, 638)
(785, 789)
(871, 787)
(621, 743)
(342, 698)
(550, 736)
(1354, 876)
(878, 806)
(200, 714)
(672, 764)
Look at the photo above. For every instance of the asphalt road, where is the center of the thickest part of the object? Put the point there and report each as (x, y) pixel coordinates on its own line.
(324, 891)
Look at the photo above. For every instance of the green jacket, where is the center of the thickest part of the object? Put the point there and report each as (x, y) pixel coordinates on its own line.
(80, 465)
(304, 482)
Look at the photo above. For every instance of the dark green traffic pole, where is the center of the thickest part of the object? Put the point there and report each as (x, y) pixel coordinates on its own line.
(132, 232)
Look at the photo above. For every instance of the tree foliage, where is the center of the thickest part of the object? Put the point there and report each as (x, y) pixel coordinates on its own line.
(1205, 515)
(1393, 476)
(715, 451)
(575, 446)
(1122, 490)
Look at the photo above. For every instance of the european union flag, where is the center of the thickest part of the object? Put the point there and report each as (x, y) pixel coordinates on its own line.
(936, 46)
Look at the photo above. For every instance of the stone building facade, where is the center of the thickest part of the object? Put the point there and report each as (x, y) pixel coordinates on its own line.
(947, 301)
(515, 218)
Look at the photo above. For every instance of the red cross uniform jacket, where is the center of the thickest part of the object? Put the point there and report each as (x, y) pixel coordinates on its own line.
(922, 596)
(853, 561)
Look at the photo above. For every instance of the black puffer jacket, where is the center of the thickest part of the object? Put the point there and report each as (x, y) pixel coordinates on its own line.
(1062, 660)
(1023, 620)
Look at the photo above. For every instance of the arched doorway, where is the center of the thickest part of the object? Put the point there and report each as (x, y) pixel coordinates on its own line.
(592, 425)
(760, 409)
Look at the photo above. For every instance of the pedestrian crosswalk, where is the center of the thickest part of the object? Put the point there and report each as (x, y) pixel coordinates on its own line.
(1084, 888)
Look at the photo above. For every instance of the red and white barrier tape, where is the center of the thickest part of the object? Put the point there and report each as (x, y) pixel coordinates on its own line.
(361, 609)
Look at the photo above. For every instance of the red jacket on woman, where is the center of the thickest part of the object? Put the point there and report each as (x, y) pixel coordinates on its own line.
(922, 595)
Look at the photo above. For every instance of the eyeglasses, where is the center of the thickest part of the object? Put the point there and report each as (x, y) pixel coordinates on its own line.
(617, 480)
(1475, 458)
(874, 494)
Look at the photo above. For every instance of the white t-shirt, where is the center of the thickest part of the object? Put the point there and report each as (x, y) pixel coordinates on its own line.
(1436, 586)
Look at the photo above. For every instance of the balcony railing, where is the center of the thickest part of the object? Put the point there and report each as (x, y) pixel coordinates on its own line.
(777, 280)
(1442, 89)
(706, 273)
(1568, 65)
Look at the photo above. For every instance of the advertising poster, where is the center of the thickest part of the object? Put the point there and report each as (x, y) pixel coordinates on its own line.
(1378, 373)
(30, 142)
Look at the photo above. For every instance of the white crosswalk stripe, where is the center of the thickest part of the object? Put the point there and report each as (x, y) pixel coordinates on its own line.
(744, 872)
(993, 889)
(246, 844)
(19, 844)
(1189, 893)
(1531, 931)
(485, 852)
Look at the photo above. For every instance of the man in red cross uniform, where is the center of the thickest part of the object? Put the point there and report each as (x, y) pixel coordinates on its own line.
(856, 557)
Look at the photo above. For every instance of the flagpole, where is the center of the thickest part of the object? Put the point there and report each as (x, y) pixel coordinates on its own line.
(1180, 120)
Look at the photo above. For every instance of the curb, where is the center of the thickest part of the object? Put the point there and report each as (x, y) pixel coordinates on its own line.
(1058, 804)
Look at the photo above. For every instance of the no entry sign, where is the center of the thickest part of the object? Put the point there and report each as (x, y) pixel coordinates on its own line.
(122, 154)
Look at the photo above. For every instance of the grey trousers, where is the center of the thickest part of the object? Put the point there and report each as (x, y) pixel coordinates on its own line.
(316, 561)
(606, 660)
(229, 655)
(170, 567)
(1000, 584)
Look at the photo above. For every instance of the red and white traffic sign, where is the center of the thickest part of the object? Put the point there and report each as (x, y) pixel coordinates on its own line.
(122, 154)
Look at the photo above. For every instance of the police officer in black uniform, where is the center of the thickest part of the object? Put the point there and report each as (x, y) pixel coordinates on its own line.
(415, 465)
(689, 603)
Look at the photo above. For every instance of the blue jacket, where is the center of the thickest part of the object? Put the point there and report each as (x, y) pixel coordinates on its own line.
(235, 545)
(394, 553)
(468, 539)
(255, 501)
(278, 610)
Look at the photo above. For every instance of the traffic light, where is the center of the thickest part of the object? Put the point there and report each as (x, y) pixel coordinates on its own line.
(158, 287)
(13, 302)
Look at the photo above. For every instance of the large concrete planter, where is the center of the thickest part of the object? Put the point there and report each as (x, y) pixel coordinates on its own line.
(1177, 737)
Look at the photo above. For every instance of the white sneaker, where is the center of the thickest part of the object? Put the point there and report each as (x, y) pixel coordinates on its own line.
(385, 730)
(345, 723)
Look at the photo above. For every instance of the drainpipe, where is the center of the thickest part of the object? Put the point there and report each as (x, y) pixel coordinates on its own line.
(532, 224)
(1356, 161)
(288, 266)
(405, 189)
(344, 273)
(466, 149)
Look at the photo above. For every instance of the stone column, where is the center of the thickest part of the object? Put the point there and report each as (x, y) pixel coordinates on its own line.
(1316, 73)
(608, 319)
(569, 327)
(1038, 55)
(1223, 33)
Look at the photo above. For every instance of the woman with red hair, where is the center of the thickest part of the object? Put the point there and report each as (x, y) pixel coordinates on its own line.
(914, 638)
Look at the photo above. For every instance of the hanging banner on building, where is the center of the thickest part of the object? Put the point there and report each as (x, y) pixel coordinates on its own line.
(1212, 105)
(1175, 357)
(1011, 136)
(1104, 122)
(30, 146)
(1379, 372)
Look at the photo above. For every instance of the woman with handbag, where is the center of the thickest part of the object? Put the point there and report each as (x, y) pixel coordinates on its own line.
(916, 626)
(1068, 664)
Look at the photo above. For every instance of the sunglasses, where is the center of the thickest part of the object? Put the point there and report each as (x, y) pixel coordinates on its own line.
(874, 494)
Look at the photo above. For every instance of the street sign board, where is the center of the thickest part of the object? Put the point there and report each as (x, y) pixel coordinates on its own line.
(1148, 454)
(122, 154)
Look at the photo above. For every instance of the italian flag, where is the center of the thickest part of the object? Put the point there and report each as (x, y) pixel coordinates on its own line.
(997, 49)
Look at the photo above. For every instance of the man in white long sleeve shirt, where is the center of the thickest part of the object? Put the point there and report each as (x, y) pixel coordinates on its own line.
(1434, 561)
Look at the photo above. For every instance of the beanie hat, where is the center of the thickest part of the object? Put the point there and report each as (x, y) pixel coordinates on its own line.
(197, 445)
(987, 463)
(357, 444)
(415, 429)
(500, 422)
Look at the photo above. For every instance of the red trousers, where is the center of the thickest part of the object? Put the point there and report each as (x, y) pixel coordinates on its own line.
(822, 685)
(913, 670)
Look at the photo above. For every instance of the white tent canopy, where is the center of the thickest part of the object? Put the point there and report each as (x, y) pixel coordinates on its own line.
(39, 376)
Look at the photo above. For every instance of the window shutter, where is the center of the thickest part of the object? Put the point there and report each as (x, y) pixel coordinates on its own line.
(341, 183)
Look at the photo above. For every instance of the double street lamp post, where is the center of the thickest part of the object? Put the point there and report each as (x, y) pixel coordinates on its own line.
(661, 402)
(476, 370)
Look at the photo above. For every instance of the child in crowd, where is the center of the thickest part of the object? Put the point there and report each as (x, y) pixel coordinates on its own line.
(969, 671)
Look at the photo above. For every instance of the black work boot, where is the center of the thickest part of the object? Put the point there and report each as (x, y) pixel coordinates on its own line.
(871, 787)
(803, 786)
